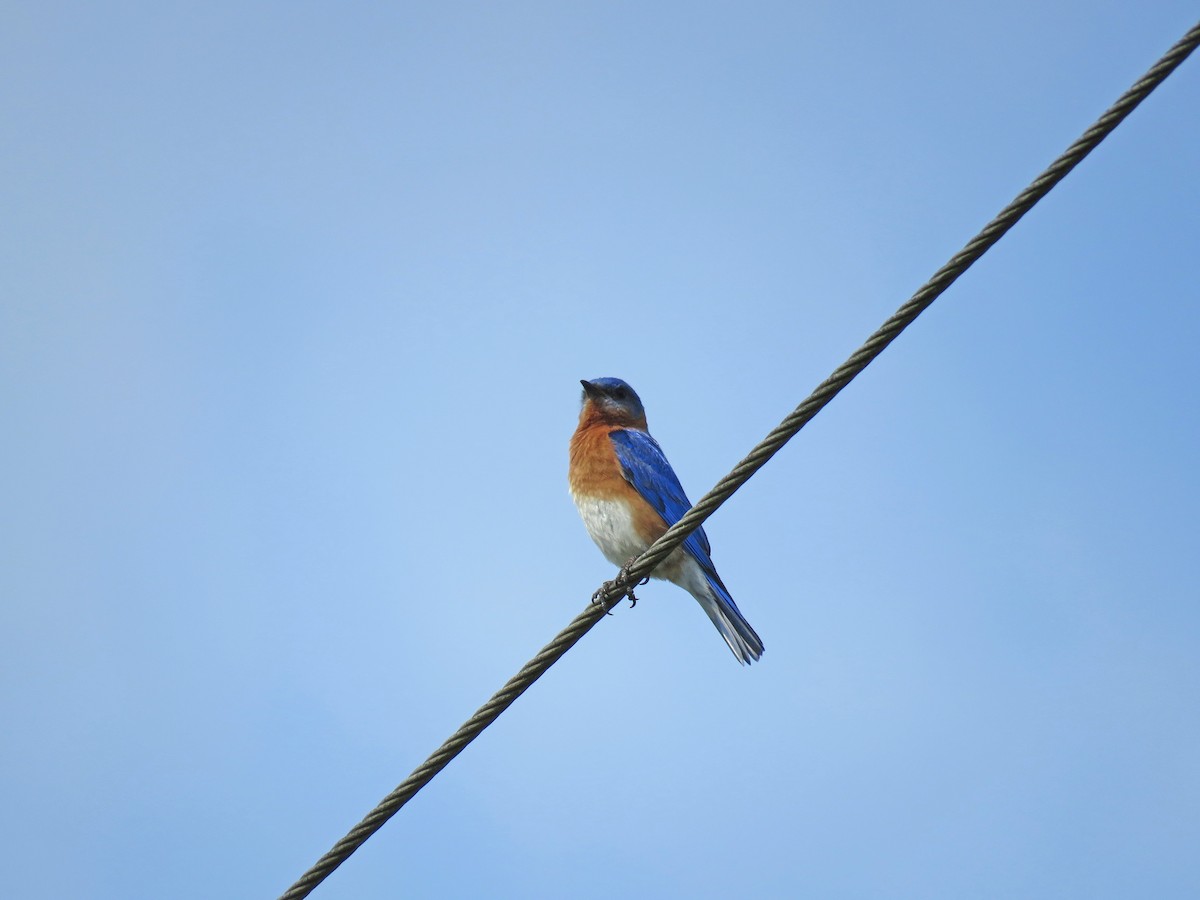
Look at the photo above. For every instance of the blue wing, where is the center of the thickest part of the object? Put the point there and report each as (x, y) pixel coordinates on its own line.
(645, 467)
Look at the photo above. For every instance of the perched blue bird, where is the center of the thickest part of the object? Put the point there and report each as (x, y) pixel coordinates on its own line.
(628, 496)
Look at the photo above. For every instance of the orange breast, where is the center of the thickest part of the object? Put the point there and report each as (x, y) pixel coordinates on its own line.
(595, 473)
(594, 470)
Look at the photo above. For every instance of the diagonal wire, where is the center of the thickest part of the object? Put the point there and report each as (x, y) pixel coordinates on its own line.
(797, 419)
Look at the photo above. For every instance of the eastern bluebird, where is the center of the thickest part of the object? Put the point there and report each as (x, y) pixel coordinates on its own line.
(628, 496)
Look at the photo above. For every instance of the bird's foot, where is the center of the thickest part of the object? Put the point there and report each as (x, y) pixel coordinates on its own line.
(623, 584)
(598, 597)
(626, 582)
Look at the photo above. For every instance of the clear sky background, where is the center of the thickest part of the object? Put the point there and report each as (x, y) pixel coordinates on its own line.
(296, 298)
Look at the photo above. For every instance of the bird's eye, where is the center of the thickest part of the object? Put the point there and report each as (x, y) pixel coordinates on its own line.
(621, 394)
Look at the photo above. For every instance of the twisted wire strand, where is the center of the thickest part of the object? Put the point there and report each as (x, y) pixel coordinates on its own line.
(768, 447)
(440, 758)
(915, 305)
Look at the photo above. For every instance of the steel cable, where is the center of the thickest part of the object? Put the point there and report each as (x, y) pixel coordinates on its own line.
(768, 447)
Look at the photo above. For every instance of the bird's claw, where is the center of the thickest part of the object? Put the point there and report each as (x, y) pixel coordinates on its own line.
(624, 580)
(622, 583)
(598, 597)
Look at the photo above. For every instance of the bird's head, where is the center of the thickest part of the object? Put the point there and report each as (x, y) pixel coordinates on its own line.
(612, 401)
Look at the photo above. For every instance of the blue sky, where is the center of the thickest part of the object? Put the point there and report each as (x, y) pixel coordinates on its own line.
(296, 301)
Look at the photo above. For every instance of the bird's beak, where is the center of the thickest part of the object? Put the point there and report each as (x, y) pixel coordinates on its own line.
(589, 388)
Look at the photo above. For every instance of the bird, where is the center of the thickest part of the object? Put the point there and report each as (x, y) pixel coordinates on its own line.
(628, 495)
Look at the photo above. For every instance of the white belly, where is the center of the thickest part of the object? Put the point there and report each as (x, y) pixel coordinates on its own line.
(610, 524)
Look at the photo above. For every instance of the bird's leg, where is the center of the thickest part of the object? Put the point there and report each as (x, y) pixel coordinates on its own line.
(623, 582)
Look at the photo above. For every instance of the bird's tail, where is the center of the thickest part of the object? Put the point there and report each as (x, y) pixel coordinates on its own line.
(745, 643)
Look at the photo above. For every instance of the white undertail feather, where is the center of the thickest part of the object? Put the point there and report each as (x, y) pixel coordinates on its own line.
(687, 572)
(726, 624)
(741, 638)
